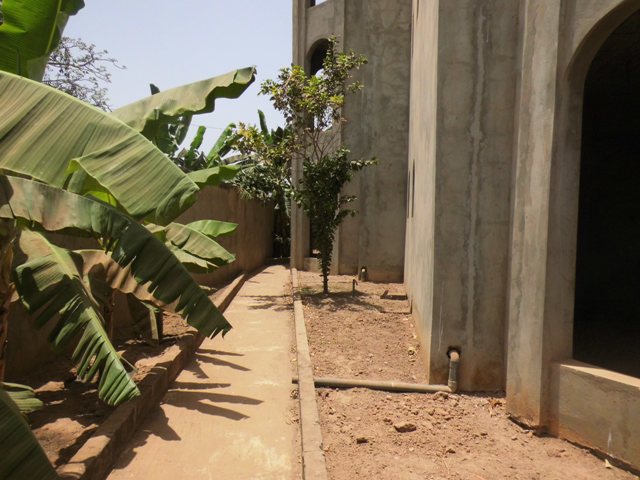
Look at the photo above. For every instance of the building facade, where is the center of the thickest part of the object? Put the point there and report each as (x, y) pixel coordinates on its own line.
(519, 197)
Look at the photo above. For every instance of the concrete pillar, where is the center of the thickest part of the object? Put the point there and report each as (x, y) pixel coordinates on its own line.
(527, 359)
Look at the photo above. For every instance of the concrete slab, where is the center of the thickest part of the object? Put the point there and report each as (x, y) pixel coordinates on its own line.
(230, 414)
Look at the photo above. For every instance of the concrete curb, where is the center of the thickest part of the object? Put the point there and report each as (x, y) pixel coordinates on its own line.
(95, 458)
(314, 466)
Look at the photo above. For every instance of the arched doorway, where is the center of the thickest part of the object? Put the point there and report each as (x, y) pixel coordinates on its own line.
(607, 288)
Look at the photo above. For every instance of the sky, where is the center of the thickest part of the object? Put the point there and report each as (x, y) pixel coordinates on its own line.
(170, 43)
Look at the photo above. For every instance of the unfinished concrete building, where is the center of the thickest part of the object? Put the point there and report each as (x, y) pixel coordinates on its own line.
(508, 195)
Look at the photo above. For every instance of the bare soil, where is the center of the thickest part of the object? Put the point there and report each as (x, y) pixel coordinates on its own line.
(72, 410)
(380, 435)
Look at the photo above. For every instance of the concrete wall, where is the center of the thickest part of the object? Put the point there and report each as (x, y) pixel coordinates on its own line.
(605, 419)
(421, 177)
(469, 206)
(559, 40)
(493, 175)
(251, 243)
(379, 29)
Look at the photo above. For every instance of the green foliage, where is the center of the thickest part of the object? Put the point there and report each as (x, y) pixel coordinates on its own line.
(23, 396)
(30, 31)
(312, 107)
(57, 139)
(22, 456)
(52, 145)
(266, 173)
(319, 195)
(49, 283)
(165, 117)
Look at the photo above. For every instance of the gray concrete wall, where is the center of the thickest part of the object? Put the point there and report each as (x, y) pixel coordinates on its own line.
(605, 418)
(476, 82)
(559, 40)
(251, 243)
(545, 387)
(421, 178)
(379, 29)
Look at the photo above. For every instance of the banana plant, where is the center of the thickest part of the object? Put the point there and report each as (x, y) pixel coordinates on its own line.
(51, 141)
(22, 455)
(52, 145)
(29, 31)
(165, 117)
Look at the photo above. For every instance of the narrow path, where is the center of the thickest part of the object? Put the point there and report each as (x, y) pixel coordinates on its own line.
(229, 414)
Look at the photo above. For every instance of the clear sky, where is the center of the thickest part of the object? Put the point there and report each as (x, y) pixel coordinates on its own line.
(170, 43)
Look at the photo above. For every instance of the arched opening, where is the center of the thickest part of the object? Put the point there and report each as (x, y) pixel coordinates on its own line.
(316, 56)
(607, 288)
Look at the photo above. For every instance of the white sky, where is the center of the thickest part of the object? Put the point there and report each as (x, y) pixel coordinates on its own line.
(173, 43)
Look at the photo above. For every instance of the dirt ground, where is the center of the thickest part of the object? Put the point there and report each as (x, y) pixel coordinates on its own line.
(72, 410)
(379, 435)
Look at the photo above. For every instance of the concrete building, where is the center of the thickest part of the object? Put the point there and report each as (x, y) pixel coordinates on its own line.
(516, 189)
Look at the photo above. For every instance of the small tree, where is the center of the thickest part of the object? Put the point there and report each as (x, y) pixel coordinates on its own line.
(312, 108)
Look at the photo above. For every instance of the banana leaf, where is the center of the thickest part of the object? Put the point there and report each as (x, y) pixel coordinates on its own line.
(47, 135)
(222, 146)
(151, 114)
(22, 456)
(191, 240)
(30, 31)
(198, 252)
(213, 176)
(51, 287)
(213, 228)
(134, 249)
(23, 396)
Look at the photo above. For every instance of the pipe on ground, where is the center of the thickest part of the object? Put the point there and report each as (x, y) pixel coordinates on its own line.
(392, 386)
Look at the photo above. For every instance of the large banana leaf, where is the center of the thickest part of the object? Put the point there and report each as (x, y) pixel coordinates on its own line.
(213, 176)
(42, 130)
(223, 145)
(152, 113)
(30, 31)
(23, 396)
(51, 287)
(151, 264)
(22, 456)
(213, 228)
(193, 241)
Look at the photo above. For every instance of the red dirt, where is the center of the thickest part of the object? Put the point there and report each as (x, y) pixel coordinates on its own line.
(72, 409)
(379, 435)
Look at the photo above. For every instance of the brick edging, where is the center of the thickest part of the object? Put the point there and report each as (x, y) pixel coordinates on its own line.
(96, 457)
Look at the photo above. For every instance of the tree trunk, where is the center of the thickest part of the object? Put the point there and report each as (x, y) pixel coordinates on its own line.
(326, 249)
(7, 235)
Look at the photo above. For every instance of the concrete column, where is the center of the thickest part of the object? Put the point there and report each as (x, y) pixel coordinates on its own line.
(527, 362)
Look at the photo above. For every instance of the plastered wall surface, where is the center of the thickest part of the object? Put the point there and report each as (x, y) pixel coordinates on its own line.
(379, 29)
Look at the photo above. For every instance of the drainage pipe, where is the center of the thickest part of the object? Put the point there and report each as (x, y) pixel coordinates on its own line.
(392, 386)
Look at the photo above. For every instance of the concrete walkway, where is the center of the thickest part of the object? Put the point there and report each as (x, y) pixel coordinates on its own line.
(229, 414)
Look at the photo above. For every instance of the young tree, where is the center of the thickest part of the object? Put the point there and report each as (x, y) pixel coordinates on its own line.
(312, 108)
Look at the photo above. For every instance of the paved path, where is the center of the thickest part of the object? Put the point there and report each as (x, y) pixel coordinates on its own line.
(229, 413)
